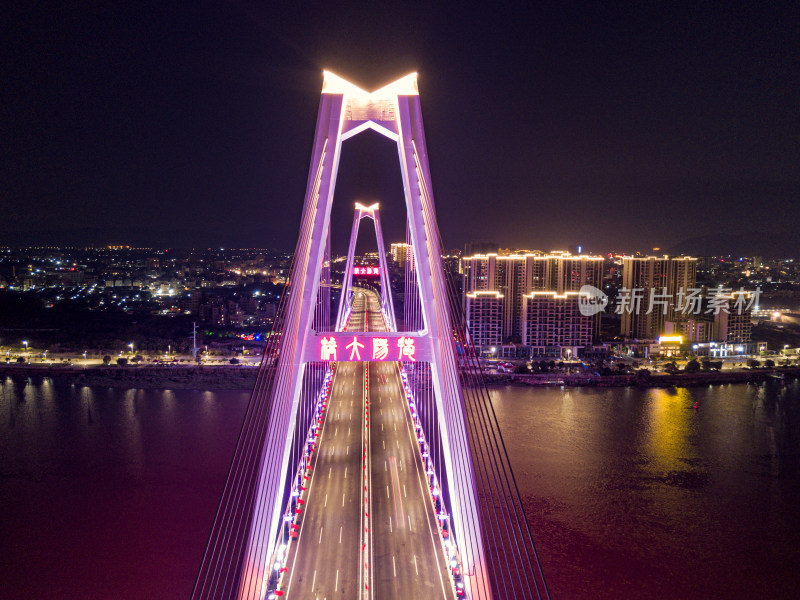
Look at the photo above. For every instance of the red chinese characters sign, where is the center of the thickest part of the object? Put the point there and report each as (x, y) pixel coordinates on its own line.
(354, 347)
(373, 271)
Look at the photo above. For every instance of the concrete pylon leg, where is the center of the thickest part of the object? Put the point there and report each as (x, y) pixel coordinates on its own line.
(395, 112)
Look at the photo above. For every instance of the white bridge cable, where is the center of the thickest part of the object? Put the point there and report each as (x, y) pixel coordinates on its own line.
(221, 566)
(472, 377)
(261, 522)
(522, 551)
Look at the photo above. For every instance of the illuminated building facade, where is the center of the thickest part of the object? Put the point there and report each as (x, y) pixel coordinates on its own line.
(513, 276)
(734, 325)
(484, 312)
(401, 252)
(654, 286)
(554, 325)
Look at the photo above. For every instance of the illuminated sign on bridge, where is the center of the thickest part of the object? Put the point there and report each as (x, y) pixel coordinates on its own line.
(368, 271)
(366, 346)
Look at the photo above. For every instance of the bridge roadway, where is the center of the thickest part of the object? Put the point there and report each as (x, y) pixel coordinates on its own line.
(406, 559)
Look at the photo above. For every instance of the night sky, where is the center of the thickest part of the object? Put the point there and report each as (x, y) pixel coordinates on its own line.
(621, 127)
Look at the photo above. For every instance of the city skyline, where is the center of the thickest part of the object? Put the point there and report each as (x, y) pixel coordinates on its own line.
(157, 125)
(621, 128)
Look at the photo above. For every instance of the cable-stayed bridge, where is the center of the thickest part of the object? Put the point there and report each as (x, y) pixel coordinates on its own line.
(419, 498)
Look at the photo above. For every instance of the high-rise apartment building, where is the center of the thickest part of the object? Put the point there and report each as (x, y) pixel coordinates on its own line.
(553, 324)
(733, 322)
(513, 276)
(654, 290)
(484, 310)
(401, 253)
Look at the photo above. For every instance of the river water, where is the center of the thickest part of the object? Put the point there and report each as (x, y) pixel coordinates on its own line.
(109, 494)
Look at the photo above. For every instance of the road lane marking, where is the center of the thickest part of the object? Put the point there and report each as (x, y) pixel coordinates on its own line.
(390, 523)
(395, 479)
(314, 581)
(326, 500)
(415, 565)
(394, 568)
(329, 472)
(419, 467)
(342, 499)
(308, 498)
(345, 472)
(387, 491)
(320, 535)
(411, 529)
(385, 466)
(384, 444)
(340, 534)
(336, 585)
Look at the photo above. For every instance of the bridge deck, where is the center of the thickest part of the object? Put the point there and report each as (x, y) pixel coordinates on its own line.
(406, 558)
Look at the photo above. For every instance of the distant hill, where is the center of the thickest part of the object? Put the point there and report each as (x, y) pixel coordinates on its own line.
(782, 244)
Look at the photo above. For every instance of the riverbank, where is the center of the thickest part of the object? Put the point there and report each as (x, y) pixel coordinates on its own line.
(646, 381)
(237, 377)
(190, 377)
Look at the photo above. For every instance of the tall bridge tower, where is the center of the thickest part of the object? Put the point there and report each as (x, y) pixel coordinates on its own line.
(487, 522)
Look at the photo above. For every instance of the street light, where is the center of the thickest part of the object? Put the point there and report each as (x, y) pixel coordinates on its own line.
(131, 347)
(25, 343)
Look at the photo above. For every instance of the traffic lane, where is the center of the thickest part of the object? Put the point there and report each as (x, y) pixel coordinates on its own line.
(408, 558)
(406, 544)
(327, 554)
(328, 548)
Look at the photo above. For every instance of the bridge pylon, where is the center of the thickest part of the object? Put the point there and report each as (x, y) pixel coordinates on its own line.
(346, 299)
(247, 540)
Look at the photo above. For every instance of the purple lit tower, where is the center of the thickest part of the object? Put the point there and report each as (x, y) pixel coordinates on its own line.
(345, 111)
(488, 538)
(387, 306)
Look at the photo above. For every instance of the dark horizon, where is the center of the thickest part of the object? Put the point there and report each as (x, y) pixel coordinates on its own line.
(615, 128)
